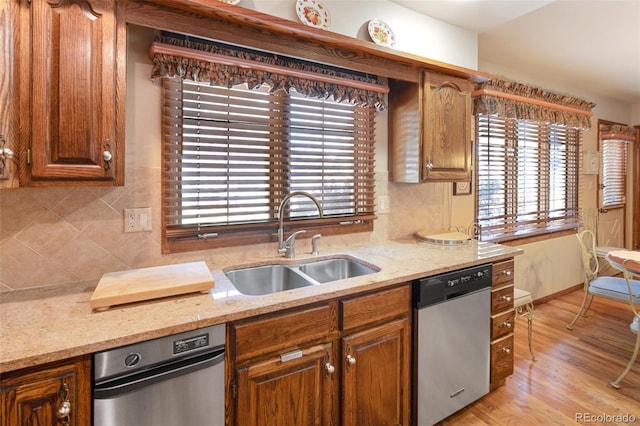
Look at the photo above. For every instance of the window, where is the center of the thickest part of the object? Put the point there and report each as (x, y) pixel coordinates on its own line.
(231, 155)
(527, 177)
(614, 172)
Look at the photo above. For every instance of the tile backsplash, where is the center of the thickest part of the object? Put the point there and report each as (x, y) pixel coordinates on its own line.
(51, 236)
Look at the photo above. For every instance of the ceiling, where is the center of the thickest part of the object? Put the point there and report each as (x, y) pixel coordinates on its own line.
(590, 44)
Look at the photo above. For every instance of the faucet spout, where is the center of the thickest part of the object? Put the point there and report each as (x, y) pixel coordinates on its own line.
(281, 243)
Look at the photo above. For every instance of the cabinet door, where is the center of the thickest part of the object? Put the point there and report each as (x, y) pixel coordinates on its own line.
(447, 128)
(8, 129)
(36, 397)
(376, 378)
(292, 389)
(68, 85)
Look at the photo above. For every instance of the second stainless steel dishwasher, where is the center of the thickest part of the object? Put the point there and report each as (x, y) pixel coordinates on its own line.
(171, 381)
(452, 332)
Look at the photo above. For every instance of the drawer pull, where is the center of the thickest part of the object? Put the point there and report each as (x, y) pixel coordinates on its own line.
(290, 356)
(504, 299)
(504, 350)
(506, 324)
(506, 273)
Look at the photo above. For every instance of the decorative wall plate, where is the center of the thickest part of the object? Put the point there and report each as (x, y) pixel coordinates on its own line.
(313, 13)
(381, 33)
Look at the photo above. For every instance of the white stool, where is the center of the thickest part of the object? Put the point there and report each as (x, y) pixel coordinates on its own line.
(523, 303)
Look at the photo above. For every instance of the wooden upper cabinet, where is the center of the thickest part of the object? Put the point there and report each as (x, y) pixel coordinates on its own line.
(56, 394)
(430, 129)
(71, 75)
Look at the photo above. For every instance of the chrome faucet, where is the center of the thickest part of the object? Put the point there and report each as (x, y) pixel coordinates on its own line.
(287, 246)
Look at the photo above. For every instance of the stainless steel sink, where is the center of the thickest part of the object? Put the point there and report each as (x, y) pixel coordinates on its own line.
(329, 270)
(267, 279)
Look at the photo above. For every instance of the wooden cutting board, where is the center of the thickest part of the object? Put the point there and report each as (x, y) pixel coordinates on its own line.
(136, 285)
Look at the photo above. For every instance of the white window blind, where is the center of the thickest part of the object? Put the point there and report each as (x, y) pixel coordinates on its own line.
(231, 155)
(527, 178)
(614, 173)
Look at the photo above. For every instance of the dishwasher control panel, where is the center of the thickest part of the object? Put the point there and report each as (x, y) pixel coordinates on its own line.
(186, 345)
(440, 288)
(148, 354)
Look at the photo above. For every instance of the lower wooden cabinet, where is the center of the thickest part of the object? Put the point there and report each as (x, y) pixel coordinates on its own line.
(299, 391)
(56, 394)
(341, 362)
(376, 379)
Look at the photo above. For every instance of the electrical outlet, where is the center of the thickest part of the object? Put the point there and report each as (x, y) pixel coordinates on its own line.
(137, 220)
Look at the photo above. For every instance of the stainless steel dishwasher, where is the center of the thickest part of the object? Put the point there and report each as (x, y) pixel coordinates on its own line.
(452, 331)
(171, 381)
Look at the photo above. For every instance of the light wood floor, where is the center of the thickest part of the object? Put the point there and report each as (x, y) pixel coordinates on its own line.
(572, 371)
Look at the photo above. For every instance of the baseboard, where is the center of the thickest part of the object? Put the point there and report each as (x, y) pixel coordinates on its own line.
(560, 293)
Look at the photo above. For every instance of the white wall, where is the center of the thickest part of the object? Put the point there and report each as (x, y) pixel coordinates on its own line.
(415, 33)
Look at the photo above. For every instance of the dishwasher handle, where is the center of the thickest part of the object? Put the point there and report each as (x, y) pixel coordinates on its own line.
(116, 386)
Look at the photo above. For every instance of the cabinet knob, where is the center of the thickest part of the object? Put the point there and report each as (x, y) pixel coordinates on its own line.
(107, 156)
(504, 350)
(64, 410)
(5, 154)
(351, 360)
(504, 299)
(330, 368)
(506, 324)
(428, 164)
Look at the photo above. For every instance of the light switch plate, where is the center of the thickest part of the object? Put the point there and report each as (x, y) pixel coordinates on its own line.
(383, 204)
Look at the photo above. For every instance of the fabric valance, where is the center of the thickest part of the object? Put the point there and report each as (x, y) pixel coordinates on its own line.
(256, 68)
(510, 99)
(618, 132)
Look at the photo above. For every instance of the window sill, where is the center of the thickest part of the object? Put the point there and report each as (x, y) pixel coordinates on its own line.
(535, 238)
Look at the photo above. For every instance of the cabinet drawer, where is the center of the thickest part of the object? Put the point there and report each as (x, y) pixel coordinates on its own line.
(501, 299)
(501, 358)
(375, 307)
(285, 330)
(502, 324)
(503, 273)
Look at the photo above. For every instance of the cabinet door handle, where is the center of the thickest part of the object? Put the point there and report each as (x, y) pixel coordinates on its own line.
(351, 360)
(330, 368)
(64, 411)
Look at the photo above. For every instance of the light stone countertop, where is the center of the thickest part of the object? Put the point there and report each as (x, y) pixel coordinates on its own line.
(53, 323)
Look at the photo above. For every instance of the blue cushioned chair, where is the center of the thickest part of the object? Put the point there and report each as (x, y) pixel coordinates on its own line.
(620, 289)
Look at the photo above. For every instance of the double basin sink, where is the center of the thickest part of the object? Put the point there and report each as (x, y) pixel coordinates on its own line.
(273, 278)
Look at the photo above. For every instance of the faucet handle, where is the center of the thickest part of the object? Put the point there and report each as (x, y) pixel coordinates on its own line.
(289, 242)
